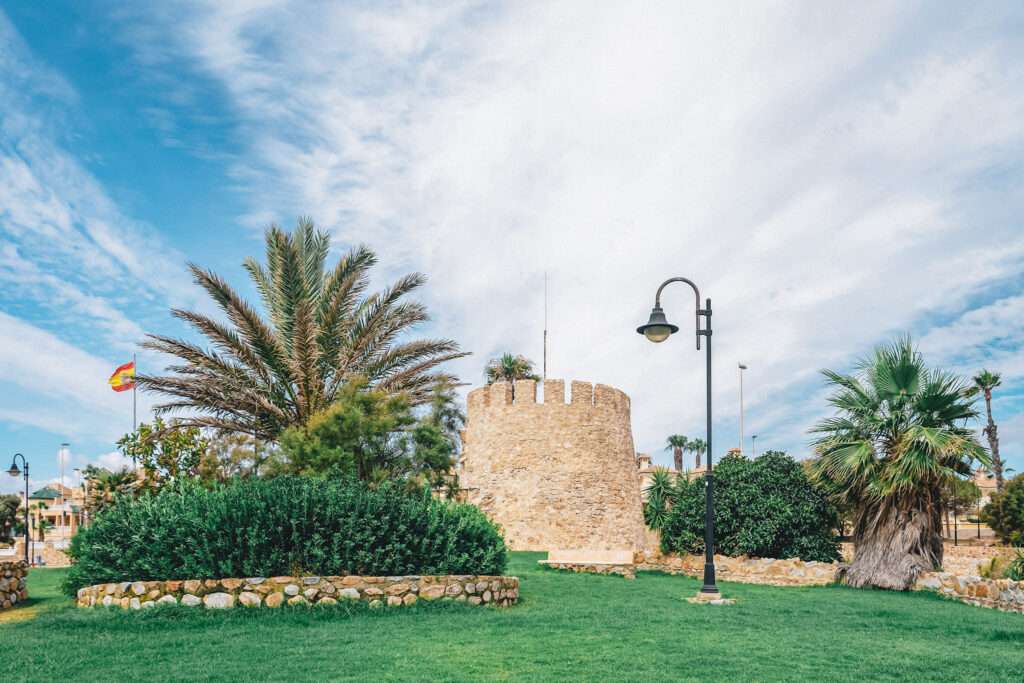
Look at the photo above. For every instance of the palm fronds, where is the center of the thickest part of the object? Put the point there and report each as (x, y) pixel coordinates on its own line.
(266, 371)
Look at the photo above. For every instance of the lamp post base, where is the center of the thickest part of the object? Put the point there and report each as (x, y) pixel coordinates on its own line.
(711, 598)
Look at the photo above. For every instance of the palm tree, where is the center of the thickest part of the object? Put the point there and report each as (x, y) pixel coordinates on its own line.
(985, 382)
(677, 443)
(897, 441)
(263, 375)
(697, 446)
(104, 486)
(509, 368)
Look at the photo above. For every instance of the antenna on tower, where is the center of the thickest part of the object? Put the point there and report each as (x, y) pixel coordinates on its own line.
(544, 370)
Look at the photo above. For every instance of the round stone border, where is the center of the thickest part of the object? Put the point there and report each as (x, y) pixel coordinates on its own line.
(258, 591)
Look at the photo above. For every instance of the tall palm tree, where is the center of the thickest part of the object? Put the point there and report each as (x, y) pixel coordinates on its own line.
(697, 446)
(898, 438)
(263, 375)
(677, 443)
(985, 382)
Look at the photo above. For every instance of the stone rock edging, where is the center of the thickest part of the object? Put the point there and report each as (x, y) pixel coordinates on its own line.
(272, 592)
(13, 587)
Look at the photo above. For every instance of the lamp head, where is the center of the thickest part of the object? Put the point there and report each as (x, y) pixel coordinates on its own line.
(657, 328)
(14, 471)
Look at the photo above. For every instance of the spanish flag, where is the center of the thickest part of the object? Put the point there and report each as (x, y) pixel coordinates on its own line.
(123, 377)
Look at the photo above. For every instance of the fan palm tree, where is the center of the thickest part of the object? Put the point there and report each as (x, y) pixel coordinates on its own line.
(263, 375)
(677, 443)
(985, 382)
(897, 441)
(697, 446)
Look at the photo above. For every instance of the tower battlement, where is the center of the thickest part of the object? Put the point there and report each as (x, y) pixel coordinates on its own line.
(552, 393)
(556, 475)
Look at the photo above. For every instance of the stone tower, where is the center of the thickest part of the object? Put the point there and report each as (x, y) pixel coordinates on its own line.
(555, 475)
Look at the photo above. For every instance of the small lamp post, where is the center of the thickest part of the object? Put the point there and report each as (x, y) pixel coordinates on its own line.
(14, 471)
(657, 330)
(753, 446)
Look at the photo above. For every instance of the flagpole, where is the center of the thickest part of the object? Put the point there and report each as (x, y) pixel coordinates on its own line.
(135, 370)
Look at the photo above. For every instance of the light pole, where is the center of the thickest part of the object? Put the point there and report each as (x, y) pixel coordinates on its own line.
(753, 446)
(14, 471)
(742, 368)
(64, 499)
(658, 330)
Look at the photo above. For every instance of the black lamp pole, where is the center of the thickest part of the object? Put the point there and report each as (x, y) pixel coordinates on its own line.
(14, 471)
(658, 330)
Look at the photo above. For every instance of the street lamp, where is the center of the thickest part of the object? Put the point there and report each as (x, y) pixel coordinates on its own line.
(14, 471)
(742, 368)
(64, 500)
(753, 446)
(658, 329)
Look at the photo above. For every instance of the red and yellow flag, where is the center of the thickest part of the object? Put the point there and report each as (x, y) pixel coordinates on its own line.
(123, 378)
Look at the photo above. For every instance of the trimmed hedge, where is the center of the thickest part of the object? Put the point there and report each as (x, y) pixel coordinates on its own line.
(764, 507)
(285, 526)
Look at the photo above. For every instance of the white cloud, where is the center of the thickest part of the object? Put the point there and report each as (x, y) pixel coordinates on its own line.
(819, 173)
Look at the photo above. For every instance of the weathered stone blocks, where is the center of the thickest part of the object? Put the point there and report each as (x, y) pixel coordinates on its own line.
(12, 583)
(554, 475)
(225, 593)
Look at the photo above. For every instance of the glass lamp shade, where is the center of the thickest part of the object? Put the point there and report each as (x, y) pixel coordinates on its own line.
(14, 471)
(657, 328)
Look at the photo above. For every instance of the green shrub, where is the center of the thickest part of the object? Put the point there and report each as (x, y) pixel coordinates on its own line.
(1015, 570)
(763, 508)
(1005, 513)
(332, 526)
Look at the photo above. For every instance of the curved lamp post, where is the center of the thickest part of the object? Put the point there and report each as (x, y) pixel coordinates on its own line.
(658, 329)
(14, 471)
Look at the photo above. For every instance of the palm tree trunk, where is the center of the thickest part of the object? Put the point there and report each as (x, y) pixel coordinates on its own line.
(893, 546)
(993, 442)
(698, 459)
(677, 458)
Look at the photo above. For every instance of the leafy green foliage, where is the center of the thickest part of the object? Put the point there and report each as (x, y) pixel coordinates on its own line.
(1005, 512)
(660, 494)
(765, 507)
(1015, 570)
(166, 452)
(373, 435)
(105, 487)
(331, 526)
(9, 506)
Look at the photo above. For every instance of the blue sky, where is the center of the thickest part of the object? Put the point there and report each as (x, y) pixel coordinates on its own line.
(830, 176)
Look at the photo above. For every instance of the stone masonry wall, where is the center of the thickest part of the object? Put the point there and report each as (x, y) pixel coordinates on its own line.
(555, 475)
(304, 590)
(1002, 594)
(12, 583)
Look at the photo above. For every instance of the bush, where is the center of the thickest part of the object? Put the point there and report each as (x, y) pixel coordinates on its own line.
(763, 508)
(1005, 513)
(288, 525)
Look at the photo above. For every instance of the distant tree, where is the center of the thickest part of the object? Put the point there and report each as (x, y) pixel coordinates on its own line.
(509, 368)
(9, 506)
(898, 437)
(958, 498)
(230, 455)
(1004, 514)
(985, 382)
(697, 446)
(105, 486)
(677, 443)
(166, 451)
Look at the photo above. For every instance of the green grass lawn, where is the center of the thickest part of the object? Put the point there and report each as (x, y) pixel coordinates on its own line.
(566, 627)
